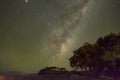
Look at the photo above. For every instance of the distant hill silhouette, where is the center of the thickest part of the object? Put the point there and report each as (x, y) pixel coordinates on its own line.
(52, 70)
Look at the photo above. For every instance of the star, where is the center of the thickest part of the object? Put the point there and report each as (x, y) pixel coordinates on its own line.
(26, 1)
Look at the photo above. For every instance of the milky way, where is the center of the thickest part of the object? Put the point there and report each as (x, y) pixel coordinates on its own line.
(69, 21)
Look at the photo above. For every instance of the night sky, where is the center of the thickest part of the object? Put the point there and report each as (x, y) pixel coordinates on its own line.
(38, 33)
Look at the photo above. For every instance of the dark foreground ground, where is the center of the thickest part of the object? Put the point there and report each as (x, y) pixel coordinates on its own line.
(60, 76)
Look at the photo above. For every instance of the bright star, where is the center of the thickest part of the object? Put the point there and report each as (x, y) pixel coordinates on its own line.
(26, 1)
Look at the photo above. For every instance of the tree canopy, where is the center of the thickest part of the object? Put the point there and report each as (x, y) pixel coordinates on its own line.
(104, 54)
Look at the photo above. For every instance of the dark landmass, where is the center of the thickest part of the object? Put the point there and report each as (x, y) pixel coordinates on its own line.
(65, 75)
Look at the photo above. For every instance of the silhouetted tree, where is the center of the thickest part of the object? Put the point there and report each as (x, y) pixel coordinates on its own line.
(87, 57)
(111, 43)
(101, 56)
(106, 48)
